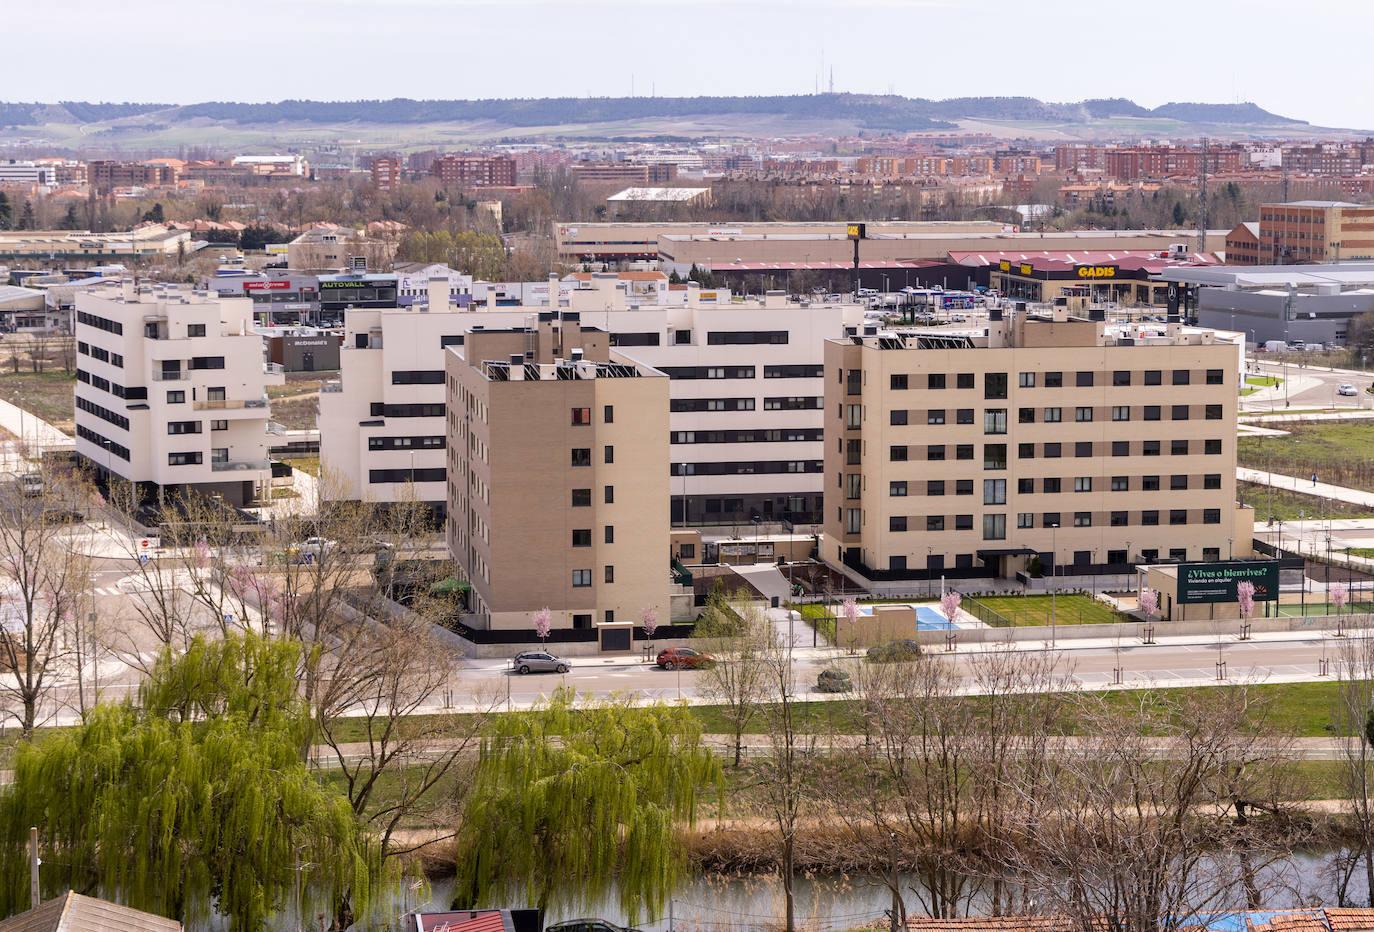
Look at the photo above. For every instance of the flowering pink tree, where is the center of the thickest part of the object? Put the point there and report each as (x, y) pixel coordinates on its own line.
(1245, 599)
(1149, 603)
(849, 611)
(1339, 594)
(543, 621)
(648, 620)
(949, 606)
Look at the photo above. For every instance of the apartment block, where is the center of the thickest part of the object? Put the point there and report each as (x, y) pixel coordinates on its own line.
(1302, 232)
(386, 172)
(557, 492)
(106, 175)
(474, 170)
(171, 390)
(1051, 440)
(744, 402)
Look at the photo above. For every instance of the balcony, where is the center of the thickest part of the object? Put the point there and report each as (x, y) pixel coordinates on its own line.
(229, 404)
(178, 376)
(240, 466)
(276, 429)
(273, 368)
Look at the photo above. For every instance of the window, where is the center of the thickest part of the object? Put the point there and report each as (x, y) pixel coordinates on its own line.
(994, 527)
(608, 534)
(1118, 518)
(1050, 486)
(450, 339)
(1083, 448)
(1149, 483)
(219, 425)
(853, 485)
(1053, 450)
(608, 495)
(745, 337)
(581, 456)
(1178, 483)
(177, 397)
(215, 393)
(964, 380)
(687, 551)
(935, 522)
(183, 459)
(964, 416)
(963, 451)
(1082, 415)
(935, 452)
(1049, 519)
(1054, 415)
(1182, 377)
(896, 523)
(854, 417)
(1025, 415)
(207, 362)
(1154, 377)
(1121, 412)
(681, 337)
(1025, 486)
(1084, 380)
(1149, 448)
(963, 522)
(1083, 483)
(995, 385)
(1121, 448)
(608, 454)
(994, 491)
(1082, 519)
(1025, 519)
(935, 487)
(1211, 480)
(608, 414)
(995, 421)
(1026, 380)
(1054, 380)
(183, 427)
(963, 486)
(935, 380)
(1212, 412)
(1151, 412)
(1178, 516)
(1025, 451)
(1211, 447)
(935, 416)
(609, 576)
(581, 498)
(1216, 377)
(896, 489)
(896, 454)
(1121, 483)
(195, 330)
(581, 579)
(896, 564)
(897, 418)
(994, 456)
(1121, 377)
(895, 382)
(1178, 448)
(1179, 412)
(582, 537)
(581, 417)
(1211, 516)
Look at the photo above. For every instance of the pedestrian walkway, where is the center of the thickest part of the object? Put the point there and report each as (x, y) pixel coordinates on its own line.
(1350, 414)
(1305, 486)
(30, 429)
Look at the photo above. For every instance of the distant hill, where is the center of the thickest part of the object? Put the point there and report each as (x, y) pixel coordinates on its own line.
(862, 112)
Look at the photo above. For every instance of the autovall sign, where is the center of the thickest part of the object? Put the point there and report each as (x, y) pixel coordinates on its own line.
(1095, 271)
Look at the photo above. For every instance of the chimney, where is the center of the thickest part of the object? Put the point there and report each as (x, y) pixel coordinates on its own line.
(491, 298)
(438, 293)
(554, 289)
(128, 289)
(517, 367)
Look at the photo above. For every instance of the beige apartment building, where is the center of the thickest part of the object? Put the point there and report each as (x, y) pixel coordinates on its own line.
(558, 479)
(1051, 440)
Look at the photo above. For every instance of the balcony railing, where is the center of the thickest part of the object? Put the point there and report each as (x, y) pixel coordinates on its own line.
(331, 388)
(239, 466)
(276, 428)
(273, 368)
(229, 404)
(178, 376)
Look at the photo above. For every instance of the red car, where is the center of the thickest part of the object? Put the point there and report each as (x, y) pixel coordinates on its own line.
(670, 658)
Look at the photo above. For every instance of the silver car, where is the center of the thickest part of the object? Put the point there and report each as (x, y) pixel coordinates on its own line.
(538, 661)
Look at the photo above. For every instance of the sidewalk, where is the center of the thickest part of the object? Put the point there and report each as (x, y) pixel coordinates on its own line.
(30, 429)
(1305, 486)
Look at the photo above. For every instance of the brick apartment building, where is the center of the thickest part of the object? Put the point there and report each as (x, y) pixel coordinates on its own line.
(386, 172)
(474, 171)
(106, 175)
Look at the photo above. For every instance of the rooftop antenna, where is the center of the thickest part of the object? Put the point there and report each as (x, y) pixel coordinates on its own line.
(832, 79)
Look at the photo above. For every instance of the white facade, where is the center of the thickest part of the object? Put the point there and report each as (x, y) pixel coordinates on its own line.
(25, 174)
(413, 278)
(171, 389)
(746, 394)
(276, 164)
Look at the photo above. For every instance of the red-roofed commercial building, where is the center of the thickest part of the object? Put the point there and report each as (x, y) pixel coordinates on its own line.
(1121, 276)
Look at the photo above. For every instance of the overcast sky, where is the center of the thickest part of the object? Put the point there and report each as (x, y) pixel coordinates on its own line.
(1204, 50)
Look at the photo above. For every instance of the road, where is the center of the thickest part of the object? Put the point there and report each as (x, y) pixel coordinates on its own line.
(1306, 388)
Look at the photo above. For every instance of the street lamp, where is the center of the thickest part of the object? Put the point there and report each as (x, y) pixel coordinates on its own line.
(1054, 582)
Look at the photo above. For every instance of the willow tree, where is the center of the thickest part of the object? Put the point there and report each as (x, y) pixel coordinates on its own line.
(576, 798)
(193, 799)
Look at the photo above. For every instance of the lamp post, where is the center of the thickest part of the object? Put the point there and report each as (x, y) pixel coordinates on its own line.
(1054, 582)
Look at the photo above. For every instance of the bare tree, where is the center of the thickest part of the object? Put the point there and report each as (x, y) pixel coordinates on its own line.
(740, 636)
(1352, 721)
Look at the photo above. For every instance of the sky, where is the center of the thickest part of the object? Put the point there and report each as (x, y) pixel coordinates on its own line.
(1216, 51)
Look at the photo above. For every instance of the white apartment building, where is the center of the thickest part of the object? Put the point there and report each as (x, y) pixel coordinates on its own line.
(745, 394)
(171, 390)
(413, 278)
(14, 172)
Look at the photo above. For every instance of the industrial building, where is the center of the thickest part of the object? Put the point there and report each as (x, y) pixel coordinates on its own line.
(1048, 441)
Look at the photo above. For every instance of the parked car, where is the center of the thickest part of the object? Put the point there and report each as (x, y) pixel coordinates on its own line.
(538, 661)
(902, 651)
(310, 549)
(31, 484)
(58, 515)
(833, 680)
(670, 658)
(587, 925)
(1345, 388)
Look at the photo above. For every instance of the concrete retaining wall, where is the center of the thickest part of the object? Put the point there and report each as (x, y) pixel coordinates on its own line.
(1132, 631)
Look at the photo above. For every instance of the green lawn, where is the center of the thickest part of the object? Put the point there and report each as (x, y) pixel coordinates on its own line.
(1314, 607)
(1263, 381)
(309, 464)
(1284, 505)
(1339, 453)
(1366, 552)
(1031, 610)
(50, 395)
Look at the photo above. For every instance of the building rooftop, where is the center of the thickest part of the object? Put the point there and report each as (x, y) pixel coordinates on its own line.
(1058, 260)
(1344, 275)
(1314, 204)
(667, 195)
